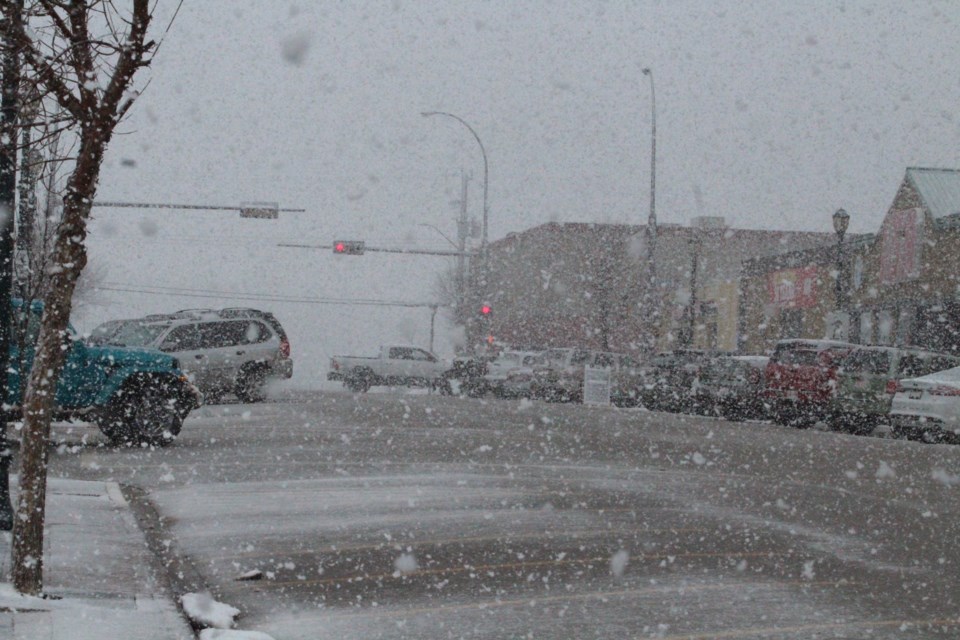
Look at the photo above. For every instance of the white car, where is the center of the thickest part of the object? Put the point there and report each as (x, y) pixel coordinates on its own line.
(498, 369)
(928, 408)
(516, 383)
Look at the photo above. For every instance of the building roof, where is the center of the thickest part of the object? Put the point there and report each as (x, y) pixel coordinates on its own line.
(938, 188)
(825, 254)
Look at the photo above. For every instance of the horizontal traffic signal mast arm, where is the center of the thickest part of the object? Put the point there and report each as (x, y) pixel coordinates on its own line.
(416, 252)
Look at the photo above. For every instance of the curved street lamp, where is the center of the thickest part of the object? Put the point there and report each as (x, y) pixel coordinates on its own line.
(483, 151)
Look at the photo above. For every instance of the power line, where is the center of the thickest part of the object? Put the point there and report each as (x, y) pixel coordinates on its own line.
(162, 205)
(257, 297)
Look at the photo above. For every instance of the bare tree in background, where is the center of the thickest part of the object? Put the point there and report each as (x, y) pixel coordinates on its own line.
(45, 163)
(82, 56)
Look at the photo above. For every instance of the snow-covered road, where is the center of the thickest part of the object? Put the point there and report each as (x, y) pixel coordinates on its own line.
(415, 516)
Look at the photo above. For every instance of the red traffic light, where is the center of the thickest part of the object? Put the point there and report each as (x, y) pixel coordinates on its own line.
(340, 247)
(486, 310)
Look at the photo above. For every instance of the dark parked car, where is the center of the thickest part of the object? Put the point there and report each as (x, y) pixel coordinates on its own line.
(732, 386)
(671, 377)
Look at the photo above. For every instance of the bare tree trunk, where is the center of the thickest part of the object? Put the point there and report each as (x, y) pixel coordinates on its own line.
(70, 256)
(95, 111)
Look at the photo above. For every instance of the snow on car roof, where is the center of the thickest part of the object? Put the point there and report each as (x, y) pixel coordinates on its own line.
(948, 375)
(819, 345)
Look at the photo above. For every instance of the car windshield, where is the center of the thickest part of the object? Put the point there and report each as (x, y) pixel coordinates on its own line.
(799, 357)
(137, 334)
(866, 361)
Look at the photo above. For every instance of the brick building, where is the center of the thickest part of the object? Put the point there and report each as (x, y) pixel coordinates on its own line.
(583, 284)
(901, 286)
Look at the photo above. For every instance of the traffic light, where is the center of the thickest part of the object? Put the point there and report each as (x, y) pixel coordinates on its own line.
(486, 311)
(348, 247)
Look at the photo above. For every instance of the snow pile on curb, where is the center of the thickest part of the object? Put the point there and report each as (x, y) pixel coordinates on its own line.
(232, 634)
(203, 610)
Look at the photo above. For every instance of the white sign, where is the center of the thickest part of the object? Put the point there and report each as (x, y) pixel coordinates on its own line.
(838, 325)
(269, 210)
(596, 385)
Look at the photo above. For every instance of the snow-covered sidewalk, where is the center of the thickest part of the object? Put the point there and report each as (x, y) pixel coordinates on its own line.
(98, 566)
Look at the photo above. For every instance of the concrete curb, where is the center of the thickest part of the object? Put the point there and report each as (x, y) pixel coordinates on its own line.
(173, 567)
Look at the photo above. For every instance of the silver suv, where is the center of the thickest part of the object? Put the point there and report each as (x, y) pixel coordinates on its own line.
(234, 350)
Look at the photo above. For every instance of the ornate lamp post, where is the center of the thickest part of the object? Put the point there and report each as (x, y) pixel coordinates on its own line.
(841, 220)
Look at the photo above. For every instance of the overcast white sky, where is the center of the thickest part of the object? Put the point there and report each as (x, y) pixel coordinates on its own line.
(770, 115)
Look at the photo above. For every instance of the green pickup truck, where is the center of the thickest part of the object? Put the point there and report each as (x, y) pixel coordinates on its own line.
(135, 396)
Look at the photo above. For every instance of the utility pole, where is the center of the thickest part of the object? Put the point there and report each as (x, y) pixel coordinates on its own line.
(9, 85)
(463, 229)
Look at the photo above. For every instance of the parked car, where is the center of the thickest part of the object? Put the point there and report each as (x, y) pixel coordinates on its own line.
(928, 408)
(102, 333)
(732, 386)
(517, 380)
(468, 372)
(234, 350)
(133, 395)
(800, 380)
(627, 381)
(554, 378)
(396, 366)
(500, 367)
(560, 377)
(670, 380)
(867, 380)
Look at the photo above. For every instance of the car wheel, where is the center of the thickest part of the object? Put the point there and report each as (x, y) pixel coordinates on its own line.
(145, 414)
(250, 384)
(730, 411)
(863, 424)
(358, 381)
(791, 417)
(442, 386)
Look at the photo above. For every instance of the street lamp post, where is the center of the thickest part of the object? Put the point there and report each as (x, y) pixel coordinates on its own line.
(652, 299)
(484, 255)
(486, 176)
(696, 243)
(841, 220)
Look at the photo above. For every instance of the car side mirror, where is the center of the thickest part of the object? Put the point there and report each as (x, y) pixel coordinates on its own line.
(75, 343)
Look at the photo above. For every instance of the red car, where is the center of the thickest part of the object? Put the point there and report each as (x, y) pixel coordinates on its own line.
(801, 380)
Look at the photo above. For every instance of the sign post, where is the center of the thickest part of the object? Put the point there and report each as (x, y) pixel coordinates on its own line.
(596, 386)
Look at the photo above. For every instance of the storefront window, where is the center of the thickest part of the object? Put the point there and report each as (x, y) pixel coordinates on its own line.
(866, 327)
(885, 327)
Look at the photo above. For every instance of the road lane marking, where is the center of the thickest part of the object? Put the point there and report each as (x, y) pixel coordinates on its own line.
(501, 537)
(571, 597)
(517, 565)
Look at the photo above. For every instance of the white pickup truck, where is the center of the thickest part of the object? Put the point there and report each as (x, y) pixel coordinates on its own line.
(397, 365)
